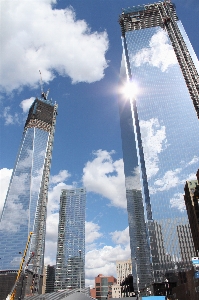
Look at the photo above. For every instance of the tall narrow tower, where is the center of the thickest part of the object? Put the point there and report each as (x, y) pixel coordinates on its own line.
(26, 201)
(160, 137)
(70, 272)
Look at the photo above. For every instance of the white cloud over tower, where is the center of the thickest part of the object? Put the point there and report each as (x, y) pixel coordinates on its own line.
(35, 36)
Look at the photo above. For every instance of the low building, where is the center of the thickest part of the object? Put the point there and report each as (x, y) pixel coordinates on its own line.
(103, 287)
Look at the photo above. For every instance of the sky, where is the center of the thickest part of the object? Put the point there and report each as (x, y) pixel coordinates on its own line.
(77, 46)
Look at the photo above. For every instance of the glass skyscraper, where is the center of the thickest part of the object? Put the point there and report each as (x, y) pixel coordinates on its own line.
(160, 138)
(25, 205)
(70, 261)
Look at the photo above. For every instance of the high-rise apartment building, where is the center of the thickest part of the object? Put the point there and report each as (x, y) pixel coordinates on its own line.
(25, 205)
(160, 148)
(70, 271)
(124, 269)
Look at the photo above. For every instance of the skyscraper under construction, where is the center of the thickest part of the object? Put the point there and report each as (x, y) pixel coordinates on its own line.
(160, 137)
(25, 205)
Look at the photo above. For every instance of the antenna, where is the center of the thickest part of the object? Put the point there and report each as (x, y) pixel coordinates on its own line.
(41, 82)
(43, 95)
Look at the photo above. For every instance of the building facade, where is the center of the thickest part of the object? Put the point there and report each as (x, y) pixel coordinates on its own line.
(25, 205)
(124, 269)
(160, 152)
(48, 279)
(103, 287)
(70, 261)
(191, 198)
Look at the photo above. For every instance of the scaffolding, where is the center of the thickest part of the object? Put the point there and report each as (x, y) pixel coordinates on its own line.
(41, 214)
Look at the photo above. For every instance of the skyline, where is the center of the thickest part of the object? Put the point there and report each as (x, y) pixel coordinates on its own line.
(88, 115)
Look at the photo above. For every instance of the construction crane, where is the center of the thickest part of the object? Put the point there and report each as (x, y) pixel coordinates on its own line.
(12, 294)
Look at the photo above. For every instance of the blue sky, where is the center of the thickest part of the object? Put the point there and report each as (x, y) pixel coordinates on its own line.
(77, 46)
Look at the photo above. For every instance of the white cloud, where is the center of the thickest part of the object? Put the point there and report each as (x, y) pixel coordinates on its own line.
(5, 175)
(103, 261)
(91, 232)
(52, 227)
(51, 40)
(25, 104)
(62, 176)
(159, 54)
(9, 118)
(133, 182)
(191, 176)
(104, 176)
(178, 202)
(15, 216)
(194, 160)
(169, 180)
(121, 237)
(154, 140)
(50, 252)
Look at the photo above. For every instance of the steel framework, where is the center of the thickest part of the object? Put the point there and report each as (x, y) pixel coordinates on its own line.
(163, 14)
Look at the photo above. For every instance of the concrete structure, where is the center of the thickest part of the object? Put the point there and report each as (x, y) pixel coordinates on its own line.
(25, 205)
(103, 287)
(124, 268)
(70, 261)
(160, 68)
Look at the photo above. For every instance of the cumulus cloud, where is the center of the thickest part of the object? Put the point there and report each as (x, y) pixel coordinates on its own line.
(154, 138)
(173, 178)
(178, 202)
(51, 40)
(91, 232)
(10, 119)
(121, 237)
(62, 176)
(158, 54)
(103, 261)
(169, 180)
(5, 175)
(104, 176)
(25, 104)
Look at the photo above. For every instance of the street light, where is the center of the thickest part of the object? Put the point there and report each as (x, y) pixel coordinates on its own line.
(80, 284)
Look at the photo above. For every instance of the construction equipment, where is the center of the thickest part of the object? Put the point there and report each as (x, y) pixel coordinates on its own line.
(12, 294)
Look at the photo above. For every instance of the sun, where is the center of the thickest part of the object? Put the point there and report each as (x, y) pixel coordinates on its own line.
(130, 89)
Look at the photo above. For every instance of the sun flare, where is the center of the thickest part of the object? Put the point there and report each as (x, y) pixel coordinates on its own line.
(131, 89)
